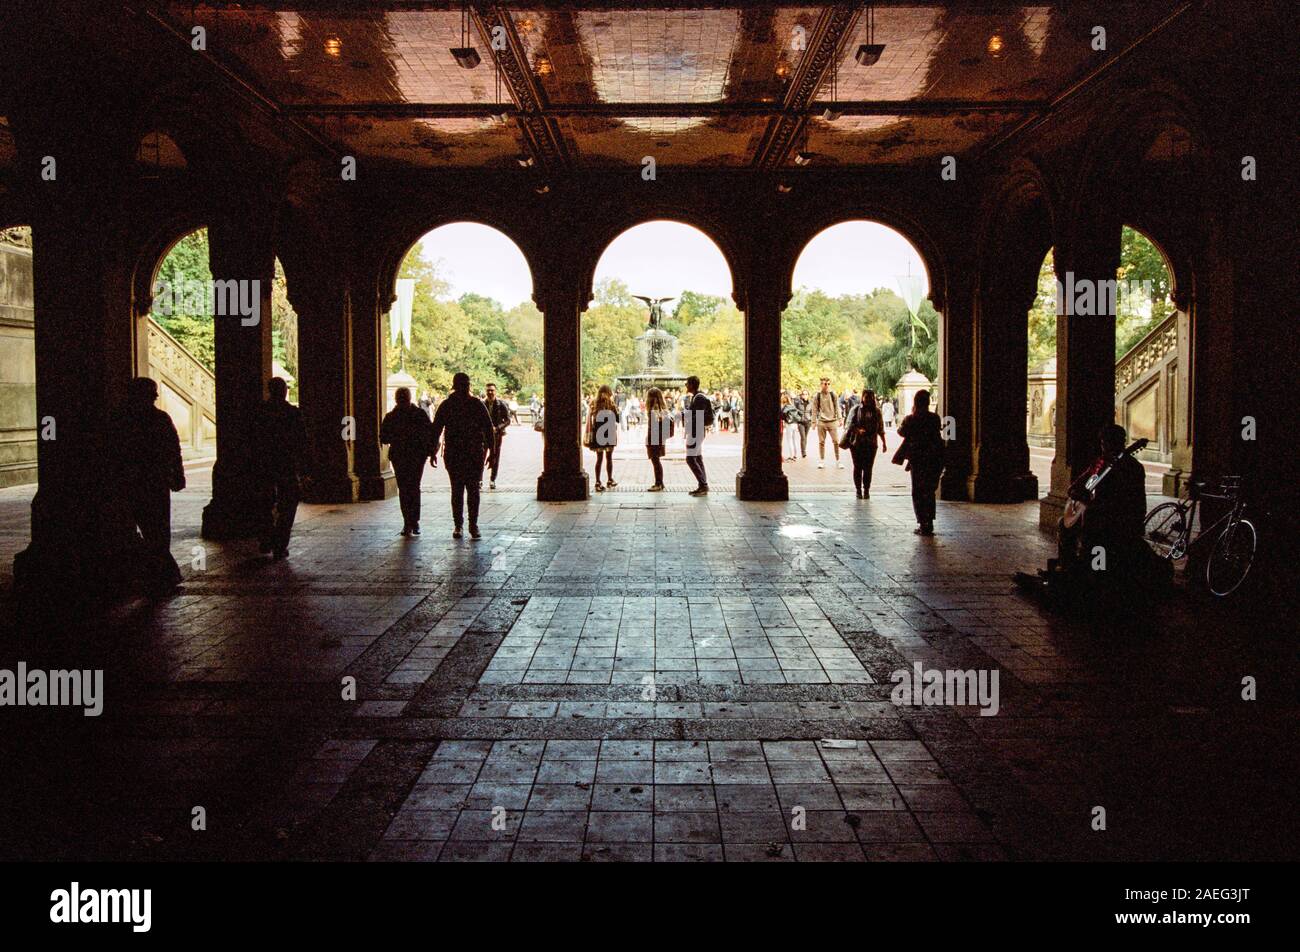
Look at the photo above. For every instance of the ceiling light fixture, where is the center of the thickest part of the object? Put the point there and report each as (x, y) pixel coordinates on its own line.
(543, 65)
(333, 46)
(995, 45)
(465, 55)
(803, 158)
(525, 161)
(868, 53)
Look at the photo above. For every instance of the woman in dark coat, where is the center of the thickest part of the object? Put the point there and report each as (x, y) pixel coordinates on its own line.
(865, 426)
(659, 430)
(922, 450)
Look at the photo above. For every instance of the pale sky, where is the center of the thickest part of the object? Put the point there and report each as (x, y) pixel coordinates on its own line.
(662, 258)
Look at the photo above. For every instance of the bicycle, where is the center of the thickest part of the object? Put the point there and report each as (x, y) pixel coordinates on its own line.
(1168, 531)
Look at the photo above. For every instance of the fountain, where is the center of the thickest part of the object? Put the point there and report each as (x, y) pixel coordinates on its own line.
(656, 355)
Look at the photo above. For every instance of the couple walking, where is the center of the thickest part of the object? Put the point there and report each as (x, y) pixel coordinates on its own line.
(468, 436)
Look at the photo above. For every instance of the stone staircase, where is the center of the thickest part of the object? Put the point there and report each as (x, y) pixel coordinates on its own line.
(187, 390)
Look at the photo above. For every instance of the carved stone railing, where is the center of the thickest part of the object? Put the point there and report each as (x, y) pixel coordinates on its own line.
(172, 364)
(1146, 353)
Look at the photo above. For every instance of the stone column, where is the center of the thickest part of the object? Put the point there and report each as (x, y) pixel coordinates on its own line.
(369, 375)
(325, 385)
(1174, 482)
(84, 358)
(562, 476)
(760, 476)
(243, 267)
(1001, 462)
(1085, 359)
(957, 383)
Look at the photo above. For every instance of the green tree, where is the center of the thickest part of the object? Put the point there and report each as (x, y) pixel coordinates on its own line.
(1141, 267)
(884, 365)
(609, 330)
(1042, 316)
(713, 348)
(182, 269)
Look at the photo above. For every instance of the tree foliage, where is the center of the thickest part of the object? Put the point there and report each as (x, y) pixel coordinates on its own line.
(1143, 301)
(474, 334)
(187, 265)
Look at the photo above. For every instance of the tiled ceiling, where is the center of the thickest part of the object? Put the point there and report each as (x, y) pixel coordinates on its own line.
(723, 85)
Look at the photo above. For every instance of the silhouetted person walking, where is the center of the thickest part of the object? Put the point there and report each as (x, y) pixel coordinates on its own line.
(469, 433)
(280, 457)
(150, 470)
(697, 420)
(408, 431)
(922, 451)
(499, 414)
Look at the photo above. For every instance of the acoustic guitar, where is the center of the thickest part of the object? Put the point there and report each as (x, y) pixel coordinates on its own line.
(1075, 508)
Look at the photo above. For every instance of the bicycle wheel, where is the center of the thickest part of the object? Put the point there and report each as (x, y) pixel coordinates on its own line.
(1229, 563)
(1163, 529)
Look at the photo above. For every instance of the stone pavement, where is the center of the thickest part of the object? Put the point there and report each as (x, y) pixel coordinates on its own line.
(644, 677)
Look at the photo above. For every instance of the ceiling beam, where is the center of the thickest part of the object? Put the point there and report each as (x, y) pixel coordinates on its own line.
(541, 135)
(818, 61)
(670, 110)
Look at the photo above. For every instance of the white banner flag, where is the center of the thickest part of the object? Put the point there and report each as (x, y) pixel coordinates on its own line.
(911, 288)
(399, 318)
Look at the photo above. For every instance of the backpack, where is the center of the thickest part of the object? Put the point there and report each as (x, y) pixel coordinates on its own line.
(708, 412)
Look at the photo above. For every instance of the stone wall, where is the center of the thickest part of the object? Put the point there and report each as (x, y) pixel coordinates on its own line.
(17, 368)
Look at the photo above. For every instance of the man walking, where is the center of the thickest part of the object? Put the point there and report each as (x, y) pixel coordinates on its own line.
(499, 414)
(699, 417)
(149, 470)
(826, 417)
(406, 429)
(280, 443)
(469, 438)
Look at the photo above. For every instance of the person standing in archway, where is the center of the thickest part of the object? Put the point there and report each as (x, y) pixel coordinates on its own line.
(659, 431)
(468, 430)
(862, 429)
(282, 460)
(922, 451)
(826, 415)
(804, 403)
(697, 419)
(602, 434)
(406, 429)
(499, 414)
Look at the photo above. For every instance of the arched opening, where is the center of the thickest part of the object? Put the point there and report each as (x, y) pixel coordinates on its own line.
(662, 311)
(1150, 397)
(18, 419)
(464, 304)
(1152, 377)
(176, 340)
(860, 318)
